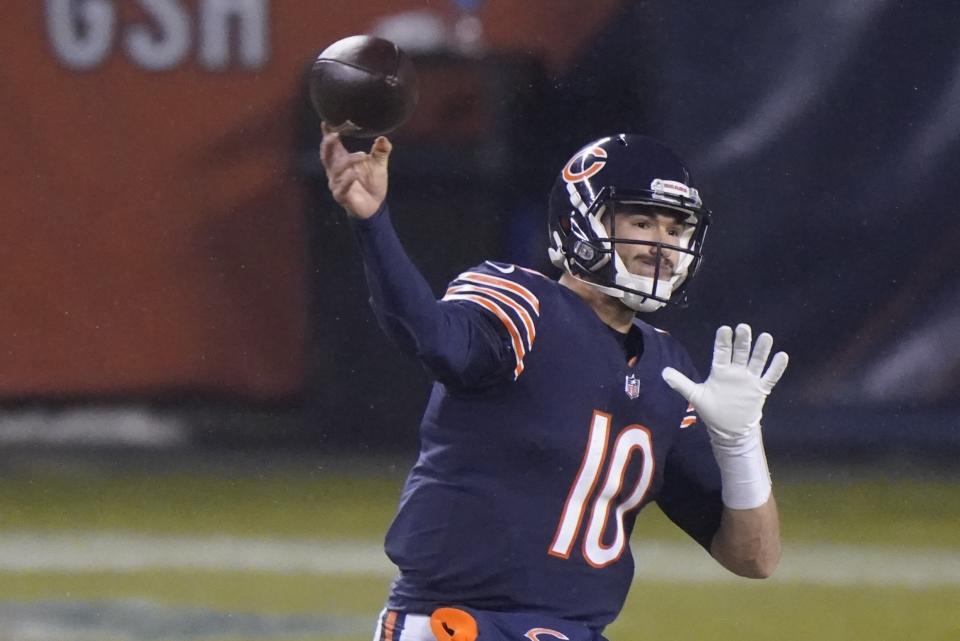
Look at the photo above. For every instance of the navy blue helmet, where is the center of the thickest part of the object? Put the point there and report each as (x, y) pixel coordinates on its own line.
(624, 169)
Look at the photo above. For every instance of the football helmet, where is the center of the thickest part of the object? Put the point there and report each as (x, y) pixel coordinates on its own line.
(633, 170)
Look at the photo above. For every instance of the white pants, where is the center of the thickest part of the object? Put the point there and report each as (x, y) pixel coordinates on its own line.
(396, 626)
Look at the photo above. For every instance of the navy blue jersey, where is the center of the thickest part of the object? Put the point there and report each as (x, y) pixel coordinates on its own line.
(540, 443)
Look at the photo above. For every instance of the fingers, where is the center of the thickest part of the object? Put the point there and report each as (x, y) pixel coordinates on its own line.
(340, 180)
(742, 338)
(340, 185)
(331, 148)
(380, 151)
(339, 164)
(680, 383)
(777, 366)
(334, 155)
(345, 163)
(733, 346)
(723, 346)
(761, 351)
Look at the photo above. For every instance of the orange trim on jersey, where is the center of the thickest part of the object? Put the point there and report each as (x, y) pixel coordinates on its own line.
(534, 634)
(576, 481)
(506, 300)
(499, 313)
(688, 421)
(452, 624)
(503, 283)
(389, 626)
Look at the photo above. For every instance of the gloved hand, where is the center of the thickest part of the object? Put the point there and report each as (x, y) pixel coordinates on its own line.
(730, 401)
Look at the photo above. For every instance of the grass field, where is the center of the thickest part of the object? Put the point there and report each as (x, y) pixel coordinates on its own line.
(231, 557)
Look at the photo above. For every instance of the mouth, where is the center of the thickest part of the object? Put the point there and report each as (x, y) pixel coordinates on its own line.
(648, 267)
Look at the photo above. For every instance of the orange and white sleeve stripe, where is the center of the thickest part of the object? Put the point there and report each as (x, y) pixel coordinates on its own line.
(515, 306)
(689, 418)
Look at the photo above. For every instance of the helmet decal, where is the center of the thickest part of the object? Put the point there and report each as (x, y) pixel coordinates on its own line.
(670, 190)
(575, 199)
(574, 177)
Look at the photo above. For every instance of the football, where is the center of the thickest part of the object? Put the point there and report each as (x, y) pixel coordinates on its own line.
(363, 86)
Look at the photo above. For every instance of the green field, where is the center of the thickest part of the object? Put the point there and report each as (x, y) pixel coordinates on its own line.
(294, 504)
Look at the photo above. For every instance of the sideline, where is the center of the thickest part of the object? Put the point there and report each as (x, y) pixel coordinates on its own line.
(816, 564)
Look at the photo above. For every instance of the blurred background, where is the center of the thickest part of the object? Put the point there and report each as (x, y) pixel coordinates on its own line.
(202, 430)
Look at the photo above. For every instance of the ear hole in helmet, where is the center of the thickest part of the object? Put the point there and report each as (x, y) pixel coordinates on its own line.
(584, 252)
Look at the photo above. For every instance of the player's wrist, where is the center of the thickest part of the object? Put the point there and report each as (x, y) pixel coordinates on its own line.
(744, 474)
(363, 209)
(368, 220)
(741, 437)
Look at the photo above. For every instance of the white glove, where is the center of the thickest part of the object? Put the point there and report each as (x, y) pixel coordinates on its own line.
(730, 403)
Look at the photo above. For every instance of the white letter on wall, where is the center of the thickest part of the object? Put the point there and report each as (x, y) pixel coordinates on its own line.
(164, 44)
(81, 31)
(216, 17)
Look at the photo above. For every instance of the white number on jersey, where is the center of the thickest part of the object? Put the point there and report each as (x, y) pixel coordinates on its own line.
(631, 440)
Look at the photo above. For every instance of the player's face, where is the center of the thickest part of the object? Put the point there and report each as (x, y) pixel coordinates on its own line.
(634, 222)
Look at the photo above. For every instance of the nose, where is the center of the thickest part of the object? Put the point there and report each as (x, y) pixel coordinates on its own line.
(664, 250)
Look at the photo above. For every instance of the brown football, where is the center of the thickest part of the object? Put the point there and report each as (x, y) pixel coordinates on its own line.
(363, 86)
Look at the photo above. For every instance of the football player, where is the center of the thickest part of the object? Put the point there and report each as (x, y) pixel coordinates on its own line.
(557, 414)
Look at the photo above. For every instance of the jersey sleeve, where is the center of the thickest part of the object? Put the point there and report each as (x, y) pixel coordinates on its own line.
(458, 345)
(691, 492)
(505, 295)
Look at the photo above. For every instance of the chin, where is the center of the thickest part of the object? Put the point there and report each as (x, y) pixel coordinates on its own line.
(649, 273)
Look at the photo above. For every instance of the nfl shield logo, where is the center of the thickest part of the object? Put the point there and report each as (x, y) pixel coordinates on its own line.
(632, 386)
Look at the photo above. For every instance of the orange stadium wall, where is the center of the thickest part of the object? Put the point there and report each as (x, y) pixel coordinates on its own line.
(154, 233)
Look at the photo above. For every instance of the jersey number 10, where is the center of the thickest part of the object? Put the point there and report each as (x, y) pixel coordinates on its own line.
(634, 437)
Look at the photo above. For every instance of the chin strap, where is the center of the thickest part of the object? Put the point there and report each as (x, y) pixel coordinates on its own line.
(636, 302)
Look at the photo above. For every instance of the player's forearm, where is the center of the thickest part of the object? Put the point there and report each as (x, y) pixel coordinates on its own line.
(748, 541)
(444, 337)
(396, 285)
